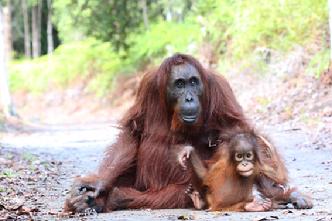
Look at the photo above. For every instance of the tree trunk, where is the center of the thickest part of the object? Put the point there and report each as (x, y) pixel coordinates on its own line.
(4, 87)
(50, 46)
(7, 30)
(145, 13)
(27, 40)
(34, 25)
(168, 11)
(39, 19)
(36, 29)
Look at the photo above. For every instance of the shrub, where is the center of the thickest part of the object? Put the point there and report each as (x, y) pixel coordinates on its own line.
(83, 59)
(163, 38)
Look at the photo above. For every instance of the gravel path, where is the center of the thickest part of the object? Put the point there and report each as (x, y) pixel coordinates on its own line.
(78, 149)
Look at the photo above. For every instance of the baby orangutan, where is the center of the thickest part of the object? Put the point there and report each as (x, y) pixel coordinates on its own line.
(227, 184)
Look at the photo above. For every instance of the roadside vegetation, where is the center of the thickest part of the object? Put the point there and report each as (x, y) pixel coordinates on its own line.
(100, 42)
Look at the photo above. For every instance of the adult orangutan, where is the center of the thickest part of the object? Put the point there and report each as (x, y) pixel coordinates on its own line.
(179, 103)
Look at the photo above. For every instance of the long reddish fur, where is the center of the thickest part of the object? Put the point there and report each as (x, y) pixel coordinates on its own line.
(144, 145)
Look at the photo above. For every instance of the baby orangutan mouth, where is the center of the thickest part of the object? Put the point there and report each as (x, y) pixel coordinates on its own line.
(246, 173)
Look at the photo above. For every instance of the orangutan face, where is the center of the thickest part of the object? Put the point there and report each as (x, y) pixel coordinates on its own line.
(184, 90)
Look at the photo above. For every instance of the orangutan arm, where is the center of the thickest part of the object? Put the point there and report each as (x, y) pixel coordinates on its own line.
(273, 181)
(91, 191)
(118, 159)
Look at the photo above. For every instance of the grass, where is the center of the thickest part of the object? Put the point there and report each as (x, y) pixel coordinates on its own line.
(8, 174)
(89, 59)
(319, 63)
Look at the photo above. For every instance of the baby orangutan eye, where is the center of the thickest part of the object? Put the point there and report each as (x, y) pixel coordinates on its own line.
(238, 157)
(250, 155)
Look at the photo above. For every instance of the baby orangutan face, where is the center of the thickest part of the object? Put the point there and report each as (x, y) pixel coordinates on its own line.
(244, 155)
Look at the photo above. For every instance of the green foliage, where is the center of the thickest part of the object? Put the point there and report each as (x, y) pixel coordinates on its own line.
(236, 27)
(97, 61)
(8, 173)
(242, 26)
(70, 18)
(163, 38)
(110, 20)
(84, 59)
(319, 63)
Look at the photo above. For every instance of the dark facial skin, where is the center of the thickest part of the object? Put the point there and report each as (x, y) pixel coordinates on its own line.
(244, 157)
(184, 90)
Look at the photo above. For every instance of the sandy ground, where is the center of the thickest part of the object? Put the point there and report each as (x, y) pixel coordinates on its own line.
(78, 149)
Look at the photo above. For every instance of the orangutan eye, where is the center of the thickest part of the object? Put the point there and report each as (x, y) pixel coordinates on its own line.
(238, 157)
(250, 155)
(193, 81)
(179, 83)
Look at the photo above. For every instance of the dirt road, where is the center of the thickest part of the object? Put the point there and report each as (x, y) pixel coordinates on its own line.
(76, 150)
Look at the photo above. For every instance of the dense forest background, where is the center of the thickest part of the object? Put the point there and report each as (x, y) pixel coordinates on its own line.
(54, 44)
